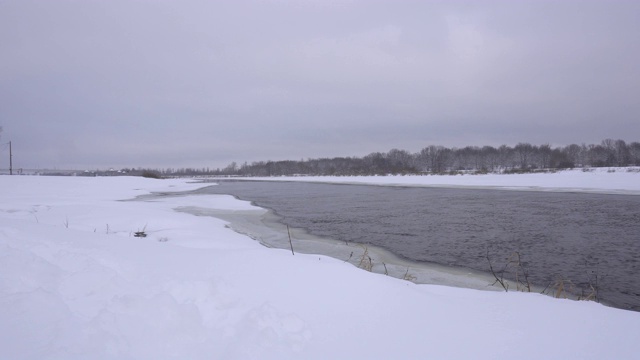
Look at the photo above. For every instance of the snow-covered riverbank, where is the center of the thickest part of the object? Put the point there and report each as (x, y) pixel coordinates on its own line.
(76, 283)
(623, 180)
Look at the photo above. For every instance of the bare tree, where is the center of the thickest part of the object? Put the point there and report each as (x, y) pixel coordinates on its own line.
(545, 155)
(524, 151)
(506, 156)
(491, 157)
(439, 159)
(622, 153)
(609, 146)
(400, 161)
(634, 153)
(574, 154)
(438, 156)
(597, 155)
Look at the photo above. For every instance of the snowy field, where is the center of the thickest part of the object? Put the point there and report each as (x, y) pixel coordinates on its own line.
(75, 283)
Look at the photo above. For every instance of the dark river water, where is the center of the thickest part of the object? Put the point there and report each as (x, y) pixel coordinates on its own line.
(586, 241)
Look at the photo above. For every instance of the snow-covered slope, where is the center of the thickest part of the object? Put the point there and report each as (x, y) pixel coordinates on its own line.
(75, 283)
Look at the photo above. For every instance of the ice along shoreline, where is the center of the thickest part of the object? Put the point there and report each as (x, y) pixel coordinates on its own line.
(268, 228)
(604, 184)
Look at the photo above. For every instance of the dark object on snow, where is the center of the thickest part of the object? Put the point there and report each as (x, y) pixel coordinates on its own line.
(139, 234)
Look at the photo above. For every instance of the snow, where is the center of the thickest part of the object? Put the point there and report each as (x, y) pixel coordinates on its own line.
(75, 283)
(593, 180)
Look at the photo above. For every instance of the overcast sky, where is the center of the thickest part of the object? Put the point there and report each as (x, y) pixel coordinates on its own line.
(98, 84)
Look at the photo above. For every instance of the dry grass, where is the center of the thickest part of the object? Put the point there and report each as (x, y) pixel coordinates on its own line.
(365, 260)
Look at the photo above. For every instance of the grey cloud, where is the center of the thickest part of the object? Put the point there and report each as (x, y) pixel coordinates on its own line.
(199, 83)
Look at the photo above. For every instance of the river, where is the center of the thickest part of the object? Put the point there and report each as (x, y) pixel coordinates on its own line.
(588, 244)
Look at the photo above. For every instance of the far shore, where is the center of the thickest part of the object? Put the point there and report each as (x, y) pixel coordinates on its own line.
(612, 181)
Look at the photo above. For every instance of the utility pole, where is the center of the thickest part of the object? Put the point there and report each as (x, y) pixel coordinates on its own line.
(10, 160)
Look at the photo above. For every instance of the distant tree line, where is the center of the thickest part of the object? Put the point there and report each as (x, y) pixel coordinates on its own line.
(434, 159)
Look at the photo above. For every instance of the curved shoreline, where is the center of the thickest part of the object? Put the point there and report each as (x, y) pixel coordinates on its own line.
(266, 227)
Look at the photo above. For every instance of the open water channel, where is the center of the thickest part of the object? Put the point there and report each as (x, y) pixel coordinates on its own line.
(585, 241)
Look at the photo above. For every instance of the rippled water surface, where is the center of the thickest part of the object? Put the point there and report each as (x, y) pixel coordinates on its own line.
(585, 239)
